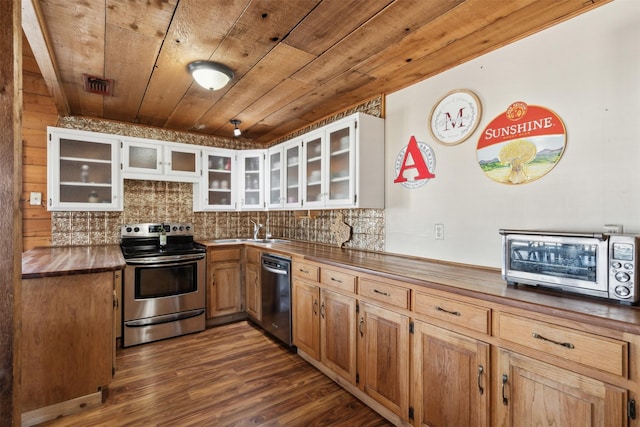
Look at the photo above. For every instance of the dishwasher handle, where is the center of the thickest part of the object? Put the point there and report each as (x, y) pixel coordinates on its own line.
(273, 270)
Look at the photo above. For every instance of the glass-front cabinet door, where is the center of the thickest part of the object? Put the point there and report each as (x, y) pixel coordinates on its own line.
(159, 160)
(141, 158)
(274, 180)
(251, 164)
(219, 180)
(313, 193)
(293, 174)
(182, 161)
(83, 171)
(340, 164)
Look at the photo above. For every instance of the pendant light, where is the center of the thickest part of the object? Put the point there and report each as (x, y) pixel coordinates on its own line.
(236, 130)
(210, 75)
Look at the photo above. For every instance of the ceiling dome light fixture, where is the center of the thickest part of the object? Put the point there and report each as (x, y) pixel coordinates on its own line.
(210, 75)
(235, 123)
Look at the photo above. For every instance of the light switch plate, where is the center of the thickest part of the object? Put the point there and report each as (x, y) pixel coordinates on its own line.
(35, 199)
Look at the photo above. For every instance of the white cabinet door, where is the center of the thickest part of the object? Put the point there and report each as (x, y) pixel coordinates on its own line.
(160, 160)
(182, 162)
(218, 184)
(274, 181)
(141, 159)
(339, 173)
(83, 171)
(313, 147)
(292, 174)
(251, 173)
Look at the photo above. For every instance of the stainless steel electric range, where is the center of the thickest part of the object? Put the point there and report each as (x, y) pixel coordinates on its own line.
(164, 282)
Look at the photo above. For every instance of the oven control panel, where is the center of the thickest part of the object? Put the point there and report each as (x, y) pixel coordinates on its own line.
(155, 229)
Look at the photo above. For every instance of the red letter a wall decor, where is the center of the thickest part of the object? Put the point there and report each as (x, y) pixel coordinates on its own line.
(421, 154)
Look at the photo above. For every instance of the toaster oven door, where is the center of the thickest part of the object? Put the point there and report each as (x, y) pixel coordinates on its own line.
(571, 263)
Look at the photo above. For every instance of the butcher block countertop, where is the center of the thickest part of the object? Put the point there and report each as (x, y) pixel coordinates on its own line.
(472, 281)
(68, 260)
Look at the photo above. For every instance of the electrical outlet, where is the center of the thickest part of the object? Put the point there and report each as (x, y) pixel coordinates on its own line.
(438, 231)
(35, 199)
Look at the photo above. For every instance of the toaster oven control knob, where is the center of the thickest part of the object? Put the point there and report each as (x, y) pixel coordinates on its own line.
(136, 229)
(628, 266)
(128, 229)
(622, 291)
(175, 228)
(616, 264)
(621, 276)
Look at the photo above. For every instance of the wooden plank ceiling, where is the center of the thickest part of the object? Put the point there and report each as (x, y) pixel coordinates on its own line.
(295, 61)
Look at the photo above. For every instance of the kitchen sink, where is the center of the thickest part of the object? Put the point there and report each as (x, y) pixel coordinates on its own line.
(229, 240)
(250, 241)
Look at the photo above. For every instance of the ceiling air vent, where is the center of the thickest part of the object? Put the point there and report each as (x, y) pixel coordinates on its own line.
(98, 85)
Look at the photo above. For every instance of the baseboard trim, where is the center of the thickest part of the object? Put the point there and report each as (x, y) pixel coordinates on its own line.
(61, 409)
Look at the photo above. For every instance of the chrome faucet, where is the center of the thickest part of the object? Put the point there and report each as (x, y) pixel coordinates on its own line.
(256, 228)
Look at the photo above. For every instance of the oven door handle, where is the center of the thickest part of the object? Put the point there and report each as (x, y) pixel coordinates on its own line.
(177, 260)
(156, 320)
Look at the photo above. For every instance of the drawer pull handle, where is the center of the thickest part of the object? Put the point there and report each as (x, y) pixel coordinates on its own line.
(455, 313)
(480, 371)
(322, 309)
(304, 271)
(315, 307)
(333, 279)
(360, 327)
(505, 378)
(386, 294)
(563, 344)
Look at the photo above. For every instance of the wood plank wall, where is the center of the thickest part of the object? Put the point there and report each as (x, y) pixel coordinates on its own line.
(39, 111)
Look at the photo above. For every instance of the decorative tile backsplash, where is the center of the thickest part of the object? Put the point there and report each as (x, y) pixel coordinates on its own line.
(160, 201)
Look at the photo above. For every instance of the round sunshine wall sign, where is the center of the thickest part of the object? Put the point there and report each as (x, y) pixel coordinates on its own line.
(522, 144)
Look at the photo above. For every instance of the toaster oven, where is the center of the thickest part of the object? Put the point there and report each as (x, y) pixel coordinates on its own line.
(597, 264)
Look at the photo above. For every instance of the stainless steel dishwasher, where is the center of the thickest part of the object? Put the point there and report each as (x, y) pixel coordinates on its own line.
(276, 297)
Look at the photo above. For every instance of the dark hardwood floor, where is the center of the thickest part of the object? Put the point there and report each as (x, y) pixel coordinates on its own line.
(230, 375)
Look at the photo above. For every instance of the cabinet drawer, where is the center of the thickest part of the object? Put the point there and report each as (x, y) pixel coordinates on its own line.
(463, 314)
(302, 270)
(224, 254)
(338, 279)
(599, 352)
(384, 292)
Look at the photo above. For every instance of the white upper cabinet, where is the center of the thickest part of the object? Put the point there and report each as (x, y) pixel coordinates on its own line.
(160, 160)
(251, 174)
(344, 164)
(284, 175)
(83, 171)
(314, 186)
(217, 189)
(292, 174)
(274, 180)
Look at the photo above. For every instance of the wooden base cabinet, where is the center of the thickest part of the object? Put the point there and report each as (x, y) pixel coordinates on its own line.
(253, 290)
(306, 317)
(338, 333)
(534, 393)
(383, 357)
(224, 281)
(450, 378)
(67, 343)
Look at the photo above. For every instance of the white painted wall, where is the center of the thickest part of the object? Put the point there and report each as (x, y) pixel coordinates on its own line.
(587, 70)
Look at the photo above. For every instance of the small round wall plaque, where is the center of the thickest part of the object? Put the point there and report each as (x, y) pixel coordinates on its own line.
(455, 117)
